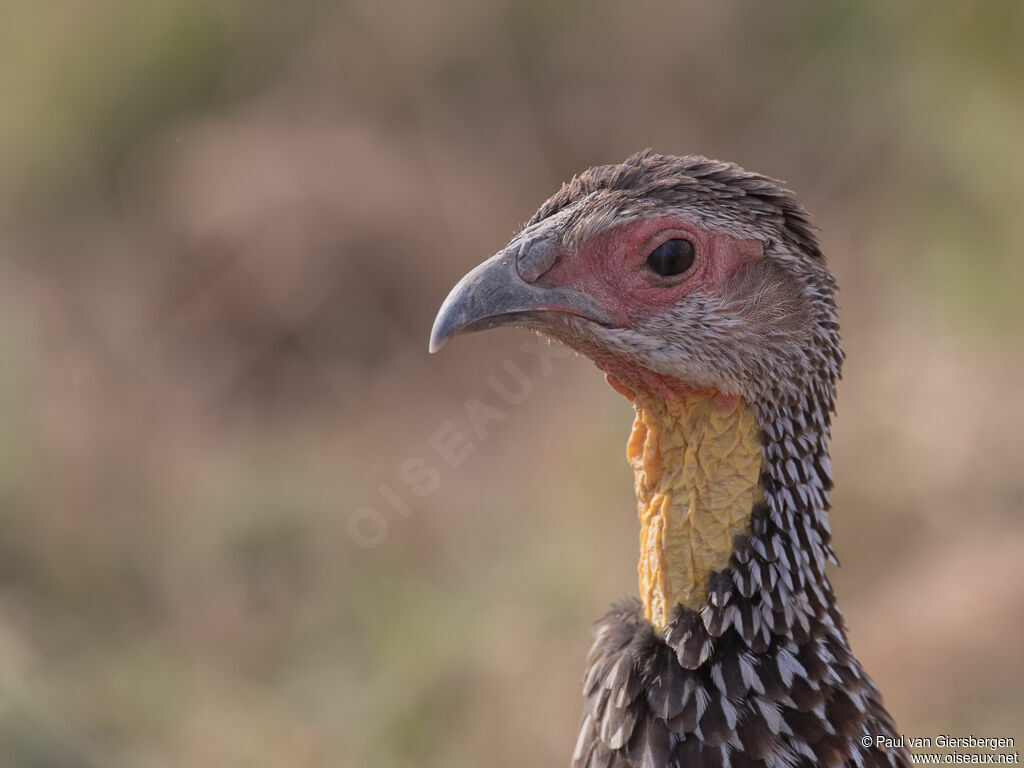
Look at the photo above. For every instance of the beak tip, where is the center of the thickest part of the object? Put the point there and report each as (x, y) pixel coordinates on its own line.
(441, 333)
(453, 316)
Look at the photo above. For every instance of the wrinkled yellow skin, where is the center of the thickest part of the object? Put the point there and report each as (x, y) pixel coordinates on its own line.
(696, 459)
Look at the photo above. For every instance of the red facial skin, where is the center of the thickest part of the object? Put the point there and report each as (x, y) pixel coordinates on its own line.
(612, 268)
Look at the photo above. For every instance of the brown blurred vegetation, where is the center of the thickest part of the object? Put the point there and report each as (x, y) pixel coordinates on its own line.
(225, 228)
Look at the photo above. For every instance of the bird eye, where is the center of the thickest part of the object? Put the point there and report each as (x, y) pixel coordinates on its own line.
(673, 257)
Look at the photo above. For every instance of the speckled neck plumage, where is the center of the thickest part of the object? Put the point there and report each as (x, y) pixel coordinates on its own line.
(697, 461)
(756, 670)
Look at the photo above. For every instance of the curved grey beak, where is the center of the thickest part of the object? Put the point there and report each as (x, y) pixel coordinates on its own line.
(495, 294)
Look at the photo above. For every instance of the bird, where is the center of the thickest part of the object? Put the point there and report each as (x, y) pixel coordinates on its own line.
(701, 291)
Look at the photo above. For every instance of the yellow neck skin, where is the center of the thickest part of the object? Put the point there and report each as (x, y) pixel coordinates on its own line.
(697, 459)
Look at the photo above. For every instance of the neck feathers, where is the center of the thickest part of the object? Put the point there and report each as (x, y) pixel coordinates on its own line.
(753, 667)
(697, 464)
(733, 502)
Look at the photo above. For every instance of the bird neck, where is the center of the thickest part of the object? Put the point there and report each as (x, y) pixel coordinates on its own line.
(697, 459)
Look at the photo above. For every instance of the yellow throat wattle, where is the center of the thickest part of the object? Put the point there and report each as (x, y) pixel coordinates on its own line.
(697, 461)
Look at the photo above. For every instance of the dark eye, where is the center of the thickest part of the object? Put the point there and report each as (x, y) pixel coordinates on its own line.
(673, 257)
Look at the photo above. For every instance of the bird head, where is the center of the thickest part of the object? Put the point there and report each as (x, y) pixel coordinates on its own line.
(673, 274)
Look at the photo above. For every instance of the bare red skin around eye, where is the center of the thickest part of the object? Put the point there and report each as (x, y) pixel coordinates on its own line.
(612, 269)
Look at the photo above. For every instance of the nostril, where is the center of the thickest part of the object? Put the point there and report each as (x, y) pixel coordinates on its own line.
(536, 256)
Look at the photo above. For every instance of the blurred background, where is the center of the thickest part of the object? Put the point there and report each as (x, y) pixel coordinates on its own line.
(225, 228)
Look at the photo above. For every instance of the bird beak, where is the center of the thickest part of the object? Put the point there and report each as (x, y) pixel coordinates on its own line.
(496, 294)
